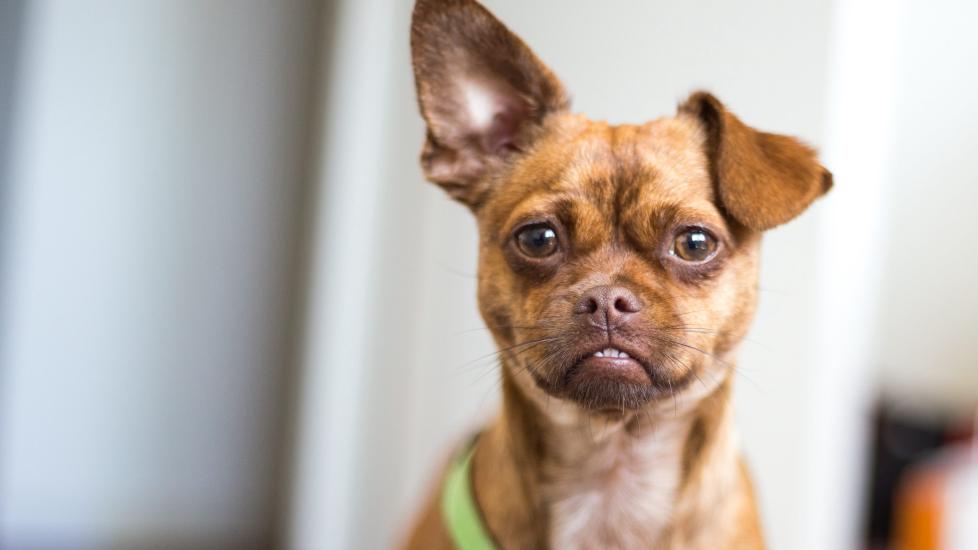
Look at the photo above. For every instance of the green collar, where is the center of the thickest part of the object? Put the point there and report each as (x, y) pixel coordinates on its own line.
(459, 509)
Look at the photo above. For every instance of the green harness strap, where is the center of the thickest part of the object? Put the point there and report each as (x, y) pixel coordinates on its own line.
(459, 509)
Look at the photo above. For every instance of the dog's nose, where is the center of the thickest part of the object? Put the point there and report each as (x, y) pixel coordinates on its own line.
(608, 307)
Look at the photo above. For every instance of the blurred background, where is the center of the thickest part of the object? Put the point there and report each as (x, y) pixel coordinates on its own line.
(234, 316)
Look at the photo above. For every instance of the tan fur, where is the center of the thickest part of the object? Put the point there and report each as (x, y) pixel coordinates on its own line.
(588, 460)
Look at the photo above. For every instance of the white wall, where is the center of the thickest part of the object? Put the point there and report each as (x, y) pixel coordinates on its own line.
(158, 153)
(415, 382)
(927, 346)
(11, 24)
(838, 394)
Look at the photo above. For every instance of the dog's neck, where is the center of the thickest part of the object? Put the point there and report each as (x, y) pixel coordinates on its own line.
(549, 474)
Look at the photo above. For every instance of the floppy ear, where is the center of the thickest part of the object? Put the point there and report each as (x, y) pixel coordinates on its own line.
(763, 179)
(481, 90)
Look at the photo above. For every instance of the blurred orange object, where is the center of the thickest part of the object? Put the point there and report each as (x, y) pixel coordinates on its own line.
(919, 509)
(935, 505)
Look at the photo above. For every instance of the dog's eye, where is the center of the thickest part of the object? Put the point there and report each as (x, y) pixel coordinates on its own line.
(537, 241)
(694, 245)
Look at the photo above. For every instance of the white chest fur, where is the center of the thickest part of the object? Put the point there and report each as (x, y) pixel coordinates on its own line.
(620, 493)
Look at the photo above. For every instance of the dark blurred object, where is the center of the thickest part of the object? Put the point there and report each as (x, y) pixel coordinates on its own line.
(899, 441)
(915, 454)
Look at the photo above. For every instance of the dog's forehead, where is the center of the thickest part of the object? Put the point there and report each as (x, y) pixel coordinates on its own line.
(582, 162)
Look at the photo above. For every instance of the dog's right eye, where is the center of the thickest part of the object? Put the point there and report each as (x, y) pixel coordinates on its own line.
(695, 245)
(537, 241)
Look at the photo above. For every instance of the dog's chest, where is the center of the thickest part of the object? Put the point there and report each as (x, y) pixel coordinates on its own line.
(621, 498)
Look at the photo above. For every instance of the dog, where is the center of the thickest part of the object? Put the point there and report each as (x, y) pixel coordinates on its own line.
(618, 270)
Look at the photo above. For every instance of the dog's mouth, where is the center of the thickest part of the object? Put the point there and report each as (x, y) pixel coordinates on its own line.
(613, 364)
(608, 376)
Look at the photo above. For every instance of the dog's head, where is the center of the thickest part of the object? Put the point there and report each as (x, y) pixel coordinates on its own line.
(617, 263)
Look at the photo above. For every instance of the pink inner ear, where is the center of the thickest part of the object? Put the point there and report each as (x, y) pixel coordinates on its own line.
(503, 134)
(495, 113)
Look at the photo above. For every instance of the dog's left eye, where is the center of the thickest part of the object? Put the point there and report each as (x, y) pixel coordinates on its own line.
(537, 241)
(694, 245)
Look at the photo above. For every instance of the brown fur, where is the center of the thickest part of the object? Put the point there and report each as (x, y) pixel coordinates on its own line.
(579, 457)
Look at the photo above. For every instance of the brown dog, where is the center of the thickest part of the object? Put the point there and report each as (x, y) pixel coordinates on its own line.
(618, 273)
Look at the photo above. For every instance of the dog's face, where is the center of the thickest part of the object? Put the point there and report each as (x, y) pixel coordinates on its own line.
(618, 264)
(607, 267)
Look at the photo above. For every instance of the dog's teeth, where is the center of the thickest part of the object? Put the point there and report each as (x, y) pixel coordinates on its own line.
(611, 352)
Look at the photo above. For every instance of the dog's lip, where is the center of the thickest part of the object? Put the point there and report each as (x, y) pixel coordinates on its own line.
(626, 370)
(635, 357)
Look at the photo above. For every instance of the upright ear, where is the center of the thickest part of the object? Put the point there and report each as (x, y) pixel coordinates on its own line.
(763, 180)
(481, 90)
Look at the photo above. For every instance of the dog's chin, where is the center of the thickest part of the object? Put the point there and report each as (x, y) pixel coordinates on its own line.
(601, 383)
(608, 384)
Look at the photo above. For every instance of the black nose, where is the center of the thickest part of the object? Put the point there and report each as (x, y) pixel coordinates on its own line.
(608, 307)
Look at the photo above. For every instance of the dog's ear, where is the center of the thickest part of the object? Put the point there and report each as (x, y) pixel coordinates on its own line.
(481, 90)
(763, 179)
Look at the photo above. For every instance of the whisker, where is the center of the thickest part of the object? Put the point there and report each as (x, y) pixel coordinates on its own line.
(508, 349)
(518, 366)
(517, 327)
(675, 402)
(692, 312)
(692, 347)
(692, 330)
(710, 355)
(458, 272)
